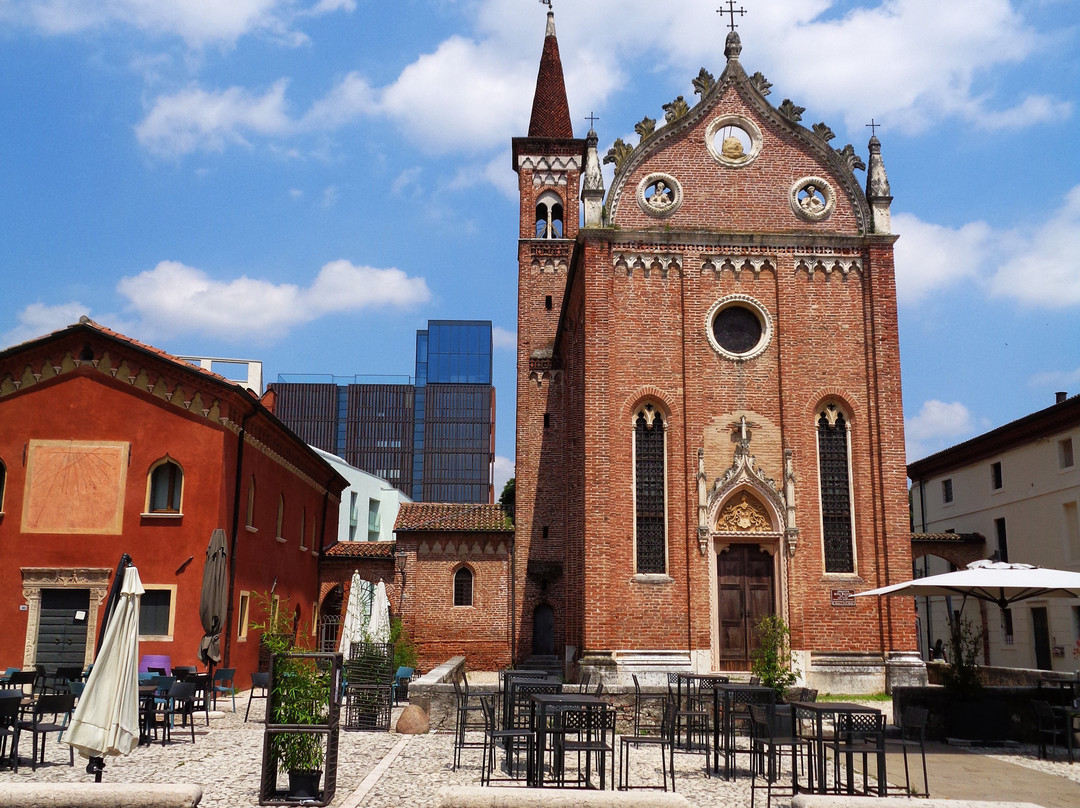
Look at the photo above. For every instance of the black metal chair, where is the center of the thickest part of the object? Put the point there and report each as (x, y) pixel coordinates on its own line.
(51, 713)
(586, 731)
(21, 679)
(640, 702)
(664, 739)
(179, 704)
(259, 681)
(1048, 725)
(183, 672)
(469, 709)
(10, 703)
(768, 743)
(691, 721)
(912, 734)
(512, 739)
(859, 734)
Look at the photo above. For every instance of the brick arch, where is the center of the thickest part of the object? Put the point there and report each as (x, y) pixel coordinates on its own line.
(955, 553)
(849, 403)
(648, 394)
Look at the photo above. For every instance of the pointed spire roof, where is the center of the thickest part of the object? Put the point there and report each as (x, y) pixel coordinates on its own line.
(550, 111)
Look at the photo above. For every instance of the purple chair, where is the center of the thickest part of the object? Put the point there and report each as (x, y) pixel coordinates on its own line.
(155, 663)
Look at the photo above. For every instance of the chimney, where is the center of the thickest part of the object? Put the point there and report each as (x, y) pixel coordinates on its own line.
(1060, 396)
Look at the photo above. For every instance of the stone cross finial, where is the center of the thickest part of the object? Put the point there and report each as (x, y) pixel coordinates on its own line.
(546, 3)
(592, 119)
(873, 127)
(731, 11)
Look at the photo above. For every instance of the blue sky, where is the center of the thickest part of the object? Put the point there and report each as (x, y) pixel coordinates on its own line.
(307, 182)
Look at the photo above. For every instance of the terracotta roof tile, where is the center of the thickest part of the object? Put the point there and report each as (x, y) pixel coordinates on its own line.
(952, 538)
(446, 517)
(361, 549)
(550, 111)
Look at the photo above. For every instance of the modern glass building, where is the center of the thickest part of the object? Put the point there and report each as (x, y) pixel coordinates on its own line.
(433, 439)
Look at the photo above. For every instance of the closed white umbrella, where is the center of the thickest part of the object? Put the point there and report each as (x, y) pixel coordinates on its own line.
(993, 581)
(378, 629)
(106, 720)
(356, 613)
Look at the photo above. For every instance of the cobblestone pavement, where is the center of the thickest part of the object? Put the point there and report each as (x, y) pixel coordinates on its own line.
(227, 756)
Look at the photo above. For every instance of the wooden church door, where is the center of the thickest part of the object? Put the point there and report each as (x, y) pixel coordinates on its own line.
(744, 575)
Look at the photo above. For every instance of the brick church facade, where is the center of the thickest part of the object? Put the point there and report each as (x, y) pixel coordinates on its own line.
(709, 422)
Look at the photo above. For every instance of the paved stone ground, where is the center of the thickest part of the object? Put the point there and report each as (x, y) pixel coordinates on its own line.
(386, 770)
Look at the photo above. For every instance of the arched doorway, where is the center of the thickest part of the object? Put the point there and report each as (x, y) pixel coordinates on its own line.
(746, 592)
(543, 630)
(330, 619)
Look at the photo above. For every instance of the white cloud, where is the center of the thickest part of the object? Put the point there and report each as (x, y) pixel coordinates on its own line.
(1056, 379)
(503, 471)
(198, 22)
(409, 178)
(1033, 264)
(194, 119)
(938, 425)
(502, 338)
(174, 298)
(37, 319)
(1041, 271)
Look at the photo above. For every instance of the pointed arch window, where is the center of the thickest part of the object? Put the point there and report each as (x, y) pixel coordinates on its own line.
(549, 215)
(3, 484)
(165, 487)
(280, 517)
(834, 467)
(251, 504)
(650, 516)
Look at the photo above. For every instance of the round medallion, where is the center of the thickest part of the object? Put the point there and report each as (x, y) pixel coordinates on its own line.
(812, 198)
(733, 141)
(659, 195)
(738, 327)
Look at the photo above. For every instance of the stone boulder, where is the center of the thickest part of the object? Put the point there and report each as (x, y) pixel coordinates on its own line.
(413, 721)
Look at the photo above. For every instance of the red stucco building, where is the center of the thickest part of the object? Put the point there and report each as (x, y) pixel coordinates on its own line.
(109, 446)
(709, 423)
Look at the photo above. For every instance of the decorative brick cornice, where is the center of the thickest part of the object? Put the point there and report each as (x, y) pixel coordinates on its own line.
(647, 263)
(813, 264)
(736, 264)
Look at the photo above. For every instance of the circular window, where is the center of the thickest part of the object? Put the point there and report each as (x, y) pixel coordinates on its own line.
(738, 327)
(812, 198)
(733, 141)
(659, 195)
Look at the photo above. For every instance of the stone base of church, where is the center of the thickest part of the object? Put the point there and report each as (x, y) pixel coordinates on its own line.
(841, 672)
(617, 668)
(904, 669)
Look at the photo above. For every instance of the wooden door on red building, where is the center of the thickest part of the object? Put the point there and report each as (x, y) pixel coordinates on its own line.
(746, 593)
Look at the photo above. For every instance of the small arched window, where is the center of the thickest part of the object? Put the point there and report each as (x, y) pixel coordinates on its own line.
(280, 517)
(303, 528)
(3, 484)
(834, 467)
(166, 486)
(463, 587)
(650, 526)
(549, 216)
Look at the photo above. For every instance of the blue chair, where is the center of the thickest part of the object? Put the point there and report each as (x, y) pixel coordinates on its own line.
(401, 683)
(223, 683)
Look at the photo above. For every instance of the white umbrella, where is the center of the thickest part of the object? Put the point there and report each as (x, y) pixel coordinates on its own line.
(993, 581)
(356, 613)
(106, 721)
(378, 629)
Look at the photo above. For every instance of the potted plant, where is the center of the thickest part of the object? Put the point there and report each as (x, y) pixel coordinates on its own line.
(773, 662)
(299, 697)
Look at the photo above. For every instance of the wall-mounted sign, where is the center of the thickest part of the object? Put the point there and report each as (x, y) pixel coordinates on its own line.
(843, 597)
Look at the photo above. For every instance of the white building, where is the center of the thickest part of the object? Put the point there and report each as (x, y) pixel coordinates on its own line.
(1019, 486)
(369, 506)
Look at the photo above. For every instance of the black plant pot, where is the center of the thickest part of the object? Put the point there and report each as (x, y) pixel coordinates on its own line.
(304, 785)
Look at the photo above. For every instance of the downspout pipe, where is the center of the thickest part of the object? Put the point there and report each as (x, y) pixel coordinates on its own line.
(235, 536)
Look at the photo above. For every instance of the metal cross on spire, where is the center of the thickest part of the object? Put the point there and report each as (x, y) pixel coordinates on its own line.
(592, 119)
(731, 11)
(546, 3)
(873, 127)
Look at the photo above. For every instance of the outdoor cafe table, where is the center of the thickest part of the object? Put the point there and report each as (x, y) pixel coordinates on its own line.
(726, 698)
(546, 708)
(507, 682)
(1072, 724)
(810, 720)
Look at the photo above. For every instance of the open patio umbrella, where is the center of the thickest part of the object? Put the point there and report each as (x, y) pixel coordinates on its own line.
(106, 720)
(214, 599)
(379, 625)
(357, 613)
(993, 581)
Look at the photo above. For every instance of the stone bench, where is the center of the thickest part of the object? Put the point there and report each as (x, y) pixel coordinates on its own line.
(477, 797)
(839, 801)
(105, 795)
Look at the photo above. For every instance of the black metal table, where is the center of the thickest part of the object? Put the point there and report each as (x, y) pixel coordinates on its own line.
(1072, 724)
(546, 708)
(727, 699)
(809, 722)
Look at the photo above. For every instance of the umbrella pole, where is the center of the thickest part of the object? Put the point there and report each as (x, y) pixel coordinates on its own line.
(95, 767)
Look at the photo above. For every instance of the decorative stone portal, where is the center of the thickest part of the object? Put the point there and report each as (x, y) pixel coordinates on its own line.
(36, 579)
